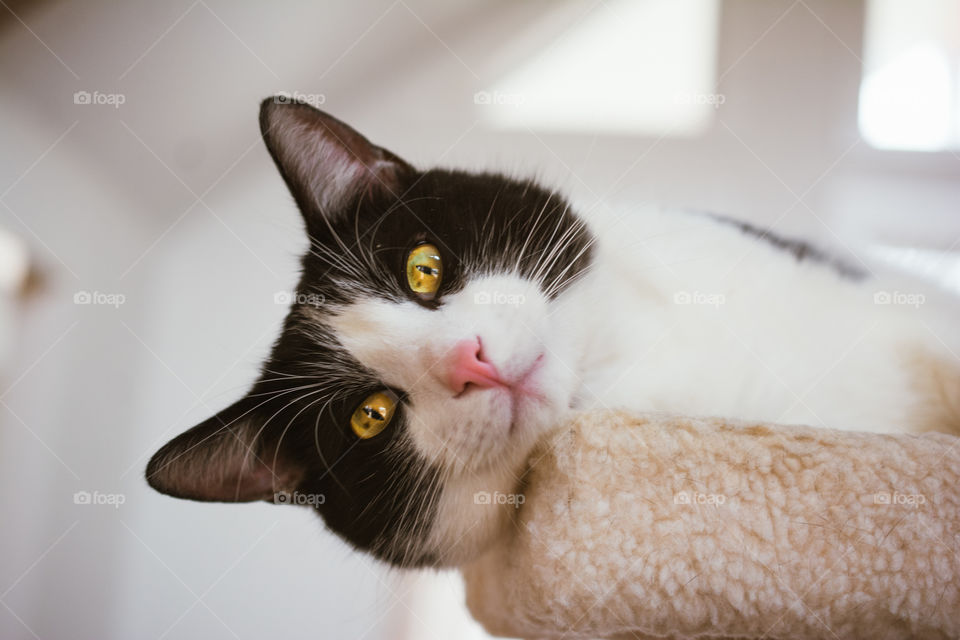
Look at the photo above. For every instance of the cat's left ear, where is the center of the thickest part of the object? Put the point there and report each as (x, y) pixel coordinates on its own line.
(325, 163)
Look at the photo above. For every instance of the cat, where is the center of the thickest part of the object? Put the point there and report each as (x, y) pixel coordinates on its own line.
(446, 321)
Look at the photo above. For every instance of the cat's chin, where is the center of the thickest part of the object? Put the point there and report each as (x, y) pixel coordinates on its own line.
(475, 507)
(491, 428)
(532, 418)
(533, 413)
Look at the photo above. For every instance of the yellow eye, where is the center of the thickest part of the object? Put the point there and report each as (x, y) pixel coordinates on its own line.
(424, 271)
(374, 414)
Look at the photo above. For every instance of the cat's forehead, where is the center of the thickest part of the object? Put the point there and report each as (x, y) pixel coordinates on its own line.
(442, 203)
(491, 198)
(476, 221)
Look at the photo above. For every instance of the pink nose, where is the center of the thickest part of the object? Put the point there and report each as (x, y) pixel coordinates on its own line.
(467, 366)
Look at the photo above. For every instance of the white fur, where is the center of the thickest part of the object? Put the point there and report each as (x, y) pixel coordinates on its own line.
(763, 337)
(409, 347)
(771, 338)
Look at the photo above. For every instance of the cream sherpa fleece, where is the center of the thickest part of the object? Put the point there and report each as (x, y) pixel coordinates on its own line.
(661, 526)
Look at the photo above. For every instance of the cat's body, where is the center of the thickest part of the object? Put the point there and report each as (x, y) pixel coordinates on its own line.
(446, 321)
(708, 318)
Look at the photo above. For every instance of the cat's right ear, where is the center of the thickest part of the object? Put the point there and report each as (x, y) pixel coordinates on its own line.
(326, 163)
(225, 458)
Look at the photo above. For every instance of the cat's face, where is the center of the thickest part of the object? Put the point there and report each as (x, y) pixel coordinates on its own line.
(422, 357)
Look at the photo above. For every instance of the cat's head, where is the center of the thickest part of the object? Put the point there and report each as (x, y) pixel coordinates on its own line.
(421, 359)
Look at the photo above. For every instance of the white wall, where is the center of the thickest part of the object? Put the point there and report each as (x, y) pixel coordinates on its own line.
(112, 206)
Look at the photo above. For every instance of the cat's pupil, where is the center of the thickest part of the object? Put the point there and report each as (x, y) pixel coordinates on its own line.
(372, 413)
(430, 271)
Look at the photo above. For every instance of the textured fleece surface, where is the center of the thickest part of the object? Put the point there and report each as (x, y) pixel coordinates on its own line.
(665, 526)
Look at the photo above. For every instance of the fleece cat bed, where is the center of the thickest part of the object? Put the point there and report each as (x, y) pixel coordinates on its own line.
(657, 526)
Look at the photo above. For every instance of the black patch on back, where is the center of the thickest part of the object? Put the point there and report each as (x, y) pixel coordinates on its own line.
(800, 249)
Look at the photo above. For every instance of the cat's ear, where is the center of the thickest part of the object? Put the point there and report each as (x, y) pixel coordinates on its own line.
(222, 459)
(325, 163)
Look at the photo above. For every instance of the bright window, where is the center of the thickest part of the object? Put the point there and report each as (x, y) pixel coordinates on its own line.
(632, 66)
(910, 93)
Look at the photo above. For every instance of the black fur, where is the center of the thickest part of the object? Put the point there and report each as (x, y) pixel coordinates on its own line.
(798, 248)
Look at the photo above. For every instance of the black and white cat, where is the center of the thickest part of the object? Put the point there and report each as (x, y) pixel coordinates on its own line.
(445, 321)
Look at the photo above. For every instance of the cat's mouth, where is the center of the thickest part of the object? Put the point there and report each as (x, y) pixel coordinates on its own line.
(500, 415)
(519, 392)
(523, 385)
(524, 390)
(526, 385)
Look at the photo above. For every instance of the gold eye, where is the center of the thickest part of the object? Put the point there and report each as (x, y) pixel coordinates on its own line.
(374, 414)
(424, 271)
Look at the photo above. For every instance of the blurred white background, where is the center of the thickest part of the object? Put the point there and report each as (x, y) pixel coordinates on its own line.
(168, 203)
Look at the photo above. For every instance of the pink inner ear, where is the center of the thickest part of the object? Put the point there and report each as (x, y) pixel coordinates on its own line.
(212, 464)
(324, 161)
(257, 483)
